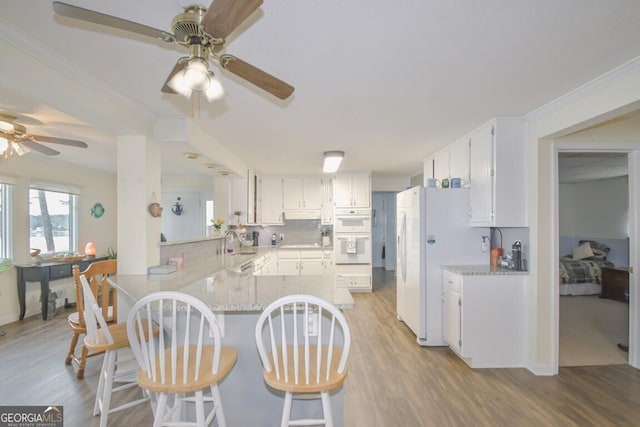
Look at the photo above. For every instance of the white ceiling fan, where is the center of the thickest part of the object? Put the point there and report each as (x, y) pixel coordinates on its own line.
(203, 32)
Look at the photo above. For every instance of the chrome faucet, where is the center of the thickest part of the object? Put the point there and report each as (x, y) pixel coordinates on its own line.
(234, 237)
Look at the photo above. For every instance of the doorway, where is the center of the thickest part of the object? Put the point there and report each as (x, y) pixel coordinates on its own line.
(383, 230)
(593, 207)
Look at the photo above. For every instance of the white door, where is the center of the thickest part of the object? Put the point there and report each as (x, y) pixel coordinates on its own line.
(452, 317)
(361, 188)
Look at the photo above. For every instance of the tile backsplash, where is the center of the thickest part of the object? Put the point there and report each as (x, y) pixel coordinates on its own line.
(295, 231)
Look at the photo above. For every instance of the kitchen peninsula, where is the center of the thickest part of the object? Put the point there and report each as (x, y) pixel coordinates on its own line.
(237, 296)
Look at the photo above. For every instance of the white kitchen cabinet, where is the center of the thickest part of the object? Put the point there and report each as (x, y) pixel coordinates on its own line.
(253, 200)
(356, 277)
(327, 263)
(441, 164)
(459, 160)
(484, 318)
(300, 263)
(271, 207)
(497, 174)
(427, 171)
(352, 190)
(302, 193)
(326, 217)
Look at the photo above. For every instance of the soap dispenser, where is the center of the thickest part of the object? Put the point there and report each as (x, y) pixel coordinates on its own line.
(274, 239)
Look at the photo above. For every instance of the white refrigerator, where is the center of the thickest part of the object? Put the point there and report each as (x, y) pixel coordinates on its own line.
(432, 230)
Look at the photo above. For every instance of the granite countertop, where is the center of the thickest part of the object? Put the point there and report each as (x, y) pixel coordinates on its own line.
(482, 270)
(232, 288)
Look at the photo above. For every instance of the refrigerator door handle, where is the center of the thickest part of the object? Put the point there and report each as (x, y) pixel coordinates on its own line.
(403, 247)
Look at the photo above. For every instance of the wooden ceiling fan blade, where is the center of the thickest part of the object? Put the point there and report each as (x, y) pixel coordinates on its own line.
(262, 79)
(32, 145)
(61, 141)
(180, 65)
(224, 16)
(83, 14)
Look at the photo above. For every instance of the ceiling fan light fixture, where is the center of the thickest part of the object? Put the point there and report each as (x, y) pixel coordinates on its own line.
(196, 74)
(6, 126)
(179, 84)
(4, 145)
(215, 90)
(332, 160)
(19, 149)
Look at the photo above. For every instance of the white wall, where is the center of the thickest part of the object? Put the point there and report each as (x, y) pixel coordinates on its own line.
(595, 208)
(94, 187)
(383, 183)
(193, 191)
(615, 94)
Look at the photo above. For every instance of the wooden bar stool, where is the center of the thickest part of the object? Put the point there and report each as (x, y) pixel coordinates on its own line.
(97, 274)
(109, 339)
(180, 363)
(302, 353)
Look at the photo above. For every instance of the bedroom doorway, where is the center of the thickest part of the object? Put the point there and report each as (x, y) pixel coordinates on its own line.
(593, 231)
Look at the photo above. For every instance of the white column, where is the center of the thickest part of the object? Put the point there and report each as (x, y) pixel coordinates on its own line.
(139, 171)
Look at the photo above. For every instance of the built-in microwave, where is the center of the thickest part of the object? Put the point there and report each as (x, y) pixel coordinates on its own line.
(352, 248)
(352, 221)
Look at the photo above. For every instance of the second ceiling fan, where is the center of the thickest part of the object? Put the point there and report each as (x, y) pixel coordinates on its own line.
(203, 32)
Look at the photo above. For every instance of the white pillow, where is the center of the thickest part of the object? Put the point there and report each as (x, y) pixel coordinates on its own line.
(583, 251)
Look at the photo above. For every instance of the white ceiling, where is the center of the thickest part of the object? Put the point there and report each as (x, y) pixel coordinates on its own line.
(388, 82)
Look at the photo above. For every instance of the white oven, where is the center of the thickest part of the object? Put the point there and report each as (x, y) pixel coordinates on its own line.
(352, 221)
(352, 248)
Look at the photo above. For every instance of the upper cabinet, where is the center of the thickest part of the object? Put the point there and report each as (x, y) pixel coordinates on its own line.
(441, 164)
(327, 201)
(459, 160)
(302, 193)
(428, 168)
(450, 162)
(352, 190)
(497, 174)
(271, 200)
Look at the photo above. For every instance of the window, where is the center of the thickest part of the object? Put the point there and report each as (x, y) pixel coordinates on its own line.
(53, 221)
(6, 198)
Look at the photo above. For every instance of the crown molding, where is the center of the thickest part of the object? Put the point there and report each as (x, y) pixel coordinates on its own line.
(586, 89)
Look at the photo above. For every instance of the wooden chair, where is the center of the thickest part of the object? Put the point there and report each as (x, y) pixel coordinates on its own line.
(303, 342)
(180, 363)
(97, 274)
(109, 339)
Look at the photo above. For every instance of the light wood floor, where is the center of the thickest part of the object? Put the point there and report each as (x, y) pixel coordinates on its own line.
(392, 381)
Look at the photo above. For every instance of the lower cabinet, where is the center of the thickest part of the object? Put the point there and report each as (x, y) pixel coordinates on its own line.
(303, 263)
(484, 318)
(356, 277)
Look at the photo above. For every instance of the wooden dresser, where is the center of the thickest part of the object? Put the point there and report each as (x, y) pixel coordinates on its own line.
(615, 282)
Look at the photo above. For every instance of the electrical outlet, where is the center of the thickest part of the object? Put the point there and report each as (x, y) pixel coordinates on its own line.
(282, 237)
(485, 243)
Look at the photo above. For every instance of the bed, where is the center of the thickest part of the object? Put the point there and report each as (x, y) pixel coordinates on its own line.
(581, 272)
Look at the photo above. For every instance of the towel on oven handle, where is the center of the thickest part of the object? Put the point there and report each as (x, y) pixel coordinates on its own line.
(351, 245)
